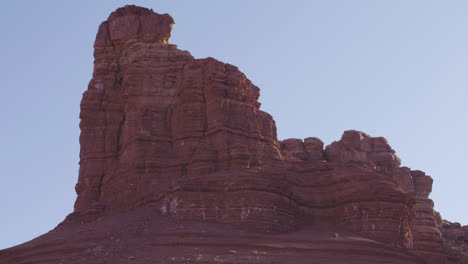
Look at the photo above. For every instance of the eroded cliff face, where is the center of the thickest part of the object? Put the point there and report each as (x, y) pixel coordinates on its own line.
(456, 237)
(153, 115)
(185, 138)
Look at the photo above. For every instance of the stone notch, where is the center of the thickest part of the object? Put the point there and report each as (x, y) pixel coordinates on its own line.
(134, 22)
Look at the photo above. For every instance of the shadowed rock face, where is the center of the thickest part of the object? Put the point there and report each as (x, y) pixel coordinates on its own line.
(178, 164)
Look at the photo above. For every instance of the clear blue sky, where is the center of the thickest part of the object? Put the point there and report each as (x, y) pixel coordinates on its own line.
(397, 69)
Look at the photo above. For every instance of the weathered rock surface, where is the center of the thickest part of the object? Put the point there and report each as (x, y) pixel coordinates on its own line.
(178, 164)
(456, 237)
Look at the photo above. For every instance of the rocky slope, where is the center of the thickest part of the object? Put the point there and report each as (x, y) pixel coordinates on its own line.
(178, 164)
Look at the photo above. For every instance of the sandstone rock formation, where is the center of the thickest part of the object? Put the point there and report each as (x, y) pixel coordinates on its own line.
(456, 237)
(178, 164)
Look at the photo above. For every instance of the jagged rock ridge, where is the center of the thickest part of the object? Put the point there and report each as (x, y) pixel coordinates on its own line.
(168, 140)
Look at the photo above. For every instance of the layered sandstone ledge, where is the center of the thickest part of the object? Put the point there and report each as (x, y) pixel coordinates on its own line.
(185, 138)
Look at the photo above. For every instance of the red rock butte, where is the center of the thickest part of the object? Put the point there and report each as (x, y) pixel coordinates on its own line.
(178, 164)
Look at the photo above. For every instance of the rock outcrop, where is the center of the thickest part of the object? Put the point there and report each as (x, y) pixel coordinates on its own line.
(178, 164)
(455, 236)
